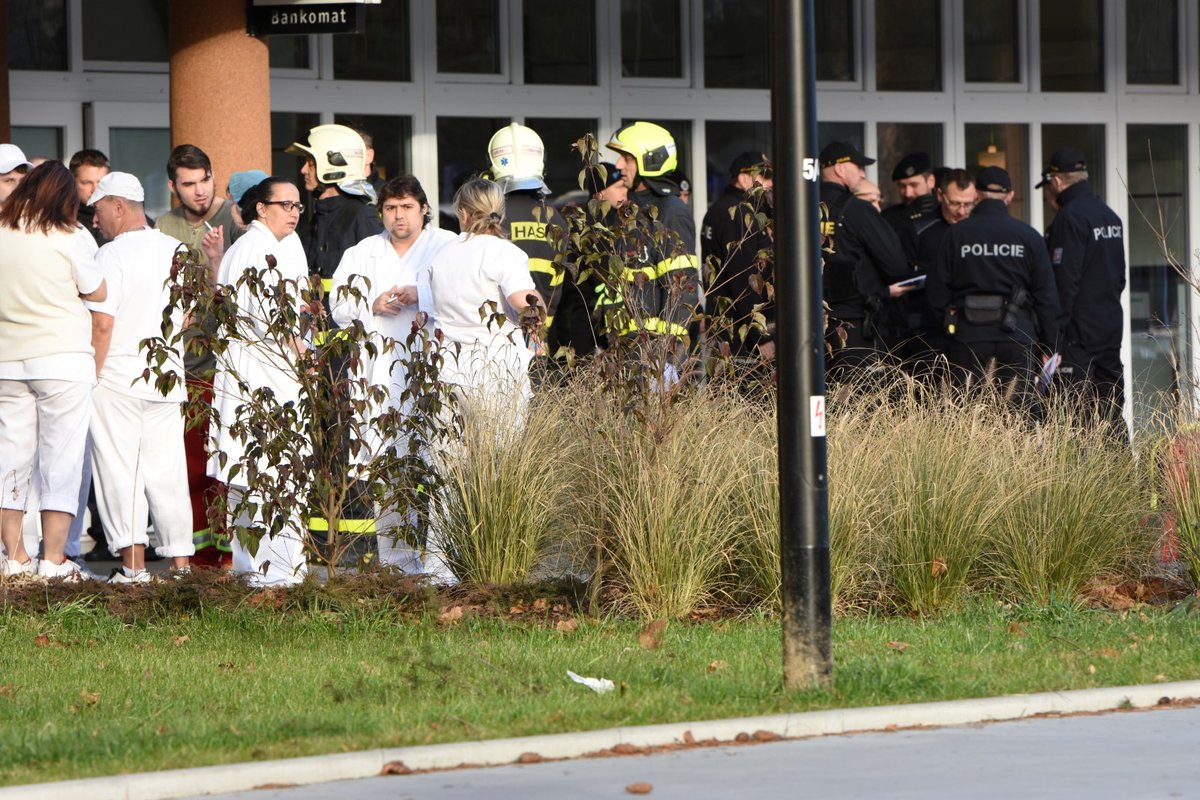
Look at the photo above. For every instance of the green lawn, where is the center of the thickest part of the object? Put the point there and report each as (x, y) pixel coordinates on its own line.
(84, 694)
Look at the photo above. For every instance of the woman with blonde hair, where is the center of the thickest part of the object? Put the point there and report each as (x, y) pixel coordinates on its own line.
(480, 283)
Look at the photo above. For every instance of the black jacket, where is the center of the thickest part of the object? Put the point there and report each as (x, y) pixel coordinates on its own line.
(738, 266)
(528, 218)
(905, 218)
(338, 223)
(992, 254)
(862, 254)
(1087, 250)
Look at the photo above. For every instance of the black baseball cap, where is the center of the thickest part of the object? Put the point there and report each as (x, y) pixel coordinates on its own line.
(911, 165)
(1064, 159)
(841, 152)
(748, 162)
(993, 179)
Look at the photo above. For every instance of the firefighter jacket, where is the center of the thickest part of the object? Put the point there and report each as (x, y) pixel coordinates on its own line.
(862, 254)
(1087, 251)
(738, 267)
(528, 219)
(660, 276)
(338, 223)
(993, 271)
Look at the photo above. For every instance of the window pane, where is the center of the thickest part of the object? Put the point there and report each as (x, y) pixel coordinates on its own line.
(908, 51)
(39, 142)
(737, 44)
(562, 162)
(288, 52)
(107, 25)
(1072, 31)
(468, 37)
(898, 139)
(288, 127)
(1151, 42)
(990, 41)
(37, 34)
(1089, 139)
(1158, 298)
(391, 138)
(550, 56)
(382, 52)
(852, 132)
(651, 39)
(834, 28)
(144, 152)
(725, 141)
(1005, 146)
(462, 154)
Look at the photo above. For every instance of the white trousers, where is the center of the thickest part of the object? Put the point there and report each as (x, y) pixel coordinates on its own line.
(141, 472)
(279, 560)
(47, 419)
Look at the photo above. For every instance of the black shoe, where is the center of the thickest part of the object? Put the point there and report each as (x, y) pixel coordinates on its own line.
(100, 553)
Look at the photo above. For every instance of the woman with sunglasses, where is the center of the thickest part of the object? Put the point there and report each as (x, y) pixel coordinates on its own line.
(260, 356)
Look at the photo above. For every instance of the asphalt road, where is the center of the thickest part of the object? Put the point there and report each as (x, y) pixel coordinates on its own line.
(1125, 755)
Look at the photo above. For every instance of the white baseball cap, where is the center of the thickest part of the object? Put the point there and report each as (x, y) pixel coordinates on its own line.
(11, 157)
(118, 184)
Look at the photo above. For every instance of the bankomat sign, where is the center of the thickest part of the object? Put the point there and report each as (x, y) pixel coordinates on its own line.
(302, 17)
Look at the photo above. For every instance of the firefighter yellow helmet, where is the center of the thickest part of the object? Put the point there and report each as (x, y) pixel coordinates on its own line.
(518, 159)
(339, 153)
(650, 145)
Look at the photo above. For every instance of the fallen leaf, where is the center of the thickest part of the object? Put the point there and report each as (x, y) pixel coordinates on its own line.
(181, 640)
(566, 625)
(1108, 652)
(901, 646)
(530, 758)
(42, 641)
(89, 698)
(1091, 669)
(1016, 628)
(1159, 678)
(395, 768)
(517, 609)
(939, 567)
(541, 604)
(651, 636)
(451, 615)
(6, 690)
(717, 666)
(742, 737)
(766, 736)
(627, 749)
(688, 738)
(639, 788)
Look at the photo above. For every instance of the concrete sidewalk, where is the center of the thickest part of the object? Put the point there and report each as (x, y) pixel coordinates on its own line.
(368, 763)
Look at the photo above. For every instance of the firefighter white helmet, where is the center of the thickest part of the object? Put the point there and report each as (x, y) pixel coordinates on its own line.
(339, 153)
(518, 159)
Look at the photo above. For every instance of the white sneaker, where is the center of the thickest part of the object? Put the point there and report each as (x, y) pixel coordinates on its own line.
(10, 568)
(119, 575)
(67, 571)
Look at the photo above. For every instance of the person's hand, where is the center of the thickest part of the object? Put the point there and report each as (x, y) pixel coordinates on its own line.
(766, 350)
(213, 243)
(896, 290)
(393, 300)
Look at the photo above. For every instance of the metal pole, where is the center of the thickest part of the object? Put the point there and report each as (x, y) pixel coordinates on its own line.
(803, 494)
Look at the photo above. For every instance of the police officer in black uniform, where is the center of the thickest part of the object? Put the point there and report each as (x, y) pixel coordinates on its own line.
(915, 183)
(736, 251)
(992, 285)
(1087, 249)
(863, 256)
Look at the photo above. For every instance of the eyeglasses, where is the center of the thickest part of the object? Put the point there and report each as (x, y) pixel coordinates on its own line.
(287, 205)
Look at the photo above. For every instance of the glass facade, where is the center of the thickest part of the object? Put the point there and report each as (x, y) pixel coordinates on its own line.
(37, 34)
(382, 52)
(908, 46)
(106, 25)
(391, 138)
(652, 38)
(1004, 145)
(991, 46)
(551, 57)
(1152, 42)
(1072, 46)
(728, 26)
(468, 37)
(836, 53)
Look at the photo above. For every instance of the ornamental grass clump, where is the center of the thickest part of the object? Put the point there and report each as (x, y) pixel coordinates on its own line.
(499, 496)
(1073, 502)
(661, 517)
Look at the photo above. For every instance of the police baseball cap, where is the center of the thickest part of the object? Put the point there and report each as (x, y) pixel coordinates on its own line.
(841, 152)
(993, 179)
(595, 183)
(750, 162)
(1064, 159)
(912, 165)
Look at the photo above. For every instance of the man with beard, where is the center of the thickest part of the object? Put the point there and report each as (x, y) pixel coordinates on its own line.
(200, 210)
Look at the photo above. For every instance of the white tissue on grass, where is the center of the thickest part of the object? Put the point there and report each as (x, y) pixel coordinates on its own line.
(597, 685)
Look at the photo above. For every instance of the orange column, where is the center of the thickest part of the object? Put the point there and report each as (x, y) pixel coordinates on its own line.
(220, 86)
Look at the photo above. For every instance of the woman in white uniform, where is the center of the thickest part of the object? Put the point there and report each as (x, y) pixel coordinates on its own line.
(260, 358)
(47, 365)
(390, 272)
